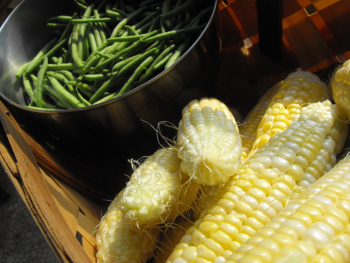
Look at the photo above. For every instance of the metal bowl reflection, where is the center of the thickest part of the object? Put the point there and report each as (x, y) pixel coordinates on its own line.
(125, 121)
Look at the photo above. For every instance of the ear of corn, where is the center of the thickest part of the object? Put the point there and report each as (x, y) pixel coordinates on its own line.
(170, 238)
(208, 141)
(118, 241)
(340, 84)
(314, 227)
(298, 90)
(158, 191)
(291, 160)
(251, 123)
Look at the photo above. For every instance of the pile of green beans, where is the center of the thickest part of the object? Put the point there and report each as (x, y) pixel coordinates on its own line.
(105, 49)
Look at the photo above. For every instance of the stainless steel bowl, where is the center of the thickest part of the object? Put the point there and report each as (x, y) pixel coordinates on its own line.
(126, 121)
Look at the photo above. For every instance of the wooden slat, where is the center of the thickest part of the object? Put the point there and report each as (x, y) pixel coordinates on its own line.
(337, 18)
(322, 4)
(87, 229)
(309, 46)
(68, 208)
(39, 193)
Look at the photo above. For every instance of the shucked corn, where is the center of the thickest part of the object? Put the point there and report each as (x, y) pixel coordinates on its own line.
(340, 84)
(208, 141)
(298, 90)
(314, 227)
(158, 191)
(262, 186)
(118, 241)
(248, 130)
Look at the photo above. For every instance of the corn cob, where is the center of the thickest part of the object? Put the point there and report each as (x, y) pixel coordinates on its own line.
(298, 90)
(340, 84)
(158, 191)
(118, 242)
(208, 141)
(171, 237)
(291, 160)
(314, 227)
(251, 123)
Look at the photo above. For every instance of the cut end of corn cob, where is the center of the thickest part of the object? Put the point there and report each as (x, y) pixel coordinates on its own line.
(158, 191)
(118, 241)
(209, 143)
(340, 84)
(289, 162)
(298, 90)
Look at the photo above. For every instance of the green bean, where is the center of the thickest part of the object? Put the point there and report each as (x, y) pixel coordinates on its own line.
(92, 40)
(115, 14)
(177, 10)
(97, 36)
(63, 102)
(54, 60)
(21, 70)
(40, 108)
(63, 66)
(173, 59)
(124, 51)
(97, 77)
(166, 9)
(61, 78)
(85, 92)
(74, 47)
(124, 62)
(161, 56)
(93, 54)
(60, 60)
(61, 18)
(82, 99)
(132, 29)
(124, 39)
(146, 19)
(65, 94)
(28, 87)
(127, 68)
(69, 75)
(103, 54)
(33, 63)
(173, 33)
(56, 25)
(162, 62)
(83, 86)
(154, 22)
(81, 32)
(135, 75)
(39, 85)
(80, 5)
(126, 20)
(92, 20)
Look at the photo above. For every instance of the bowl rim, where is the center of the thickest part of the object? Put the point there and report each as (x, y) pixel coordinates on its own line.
(130, 92)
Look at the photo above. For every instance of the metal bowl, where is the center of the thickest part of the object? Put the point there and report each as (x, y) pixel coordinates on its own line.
(128, 121)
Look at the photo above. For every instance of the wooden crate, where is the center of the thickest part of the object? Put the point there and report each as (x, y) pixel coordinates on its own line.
(314, 38)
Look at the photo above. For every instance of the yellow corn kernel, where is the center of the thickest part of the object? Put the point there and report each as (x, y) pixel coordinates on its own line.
(340, 84)
(267, 192)
(287, 102)
(316, 229)
(118, 241)
(209, 143)
(250, 124)
(158, 191)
